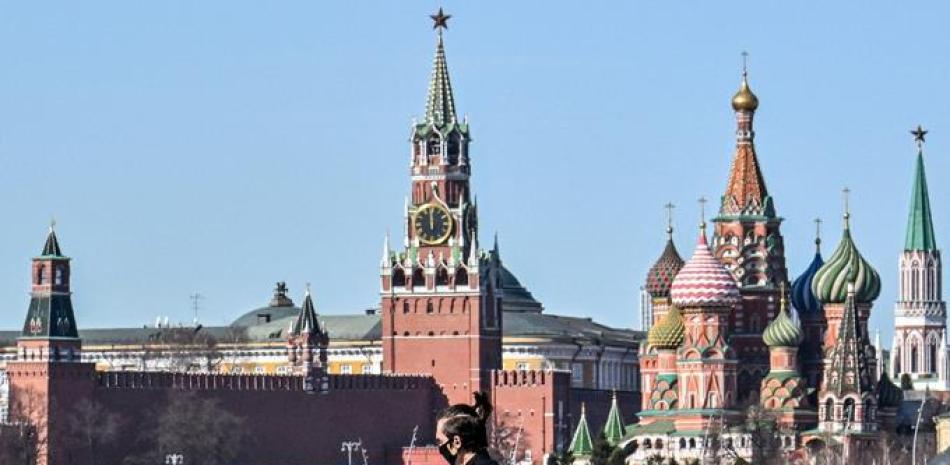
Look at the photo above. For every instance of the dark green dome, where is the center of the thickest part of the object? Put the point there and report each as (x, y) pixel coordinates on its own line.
(830, 284)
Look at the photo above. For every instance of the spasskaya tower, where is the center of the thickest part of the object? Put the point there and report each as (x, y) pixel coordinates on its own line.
(440, 314)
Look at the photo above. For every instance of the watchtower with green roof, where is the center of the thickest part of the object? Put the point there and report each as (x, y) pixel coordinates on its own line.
(921, 314)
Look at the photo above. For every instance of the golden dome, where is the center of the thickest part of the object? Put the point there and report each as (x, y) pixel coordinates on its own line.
(744, 100)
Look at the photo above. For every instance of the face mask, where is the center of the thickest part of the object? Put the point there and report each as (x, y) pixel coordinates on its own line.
(446, 453)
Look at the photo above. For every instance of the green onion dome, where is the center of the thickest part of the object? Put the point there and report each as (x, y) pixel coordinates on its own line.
(845, 265)
(782, 331)
(668, 333)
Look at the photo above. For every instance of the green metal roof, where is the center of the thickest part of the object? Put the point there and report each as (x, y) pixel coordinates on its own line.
(614, 430)
(920, 227)
(581, 444)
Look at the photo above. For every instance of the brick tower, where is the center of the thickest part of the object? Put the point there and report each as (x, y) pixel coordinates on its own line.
(46, 377)
(307, 343)
(748, 242)
(440, 312)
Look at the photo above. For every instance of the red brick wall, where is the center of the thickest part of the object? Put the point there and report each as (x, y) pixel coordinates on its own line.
(286, 424)
(530, 403)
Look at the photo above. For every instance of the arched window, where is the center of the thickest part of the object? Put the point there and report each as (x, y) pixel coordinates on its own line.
(913, 357)
(682, 443)
(429, 307)
(659, 443)
(58, 277)
(41, 275)
(829, 409)
(692, 443)
(897, 361)
(933, 356)
(849, 410)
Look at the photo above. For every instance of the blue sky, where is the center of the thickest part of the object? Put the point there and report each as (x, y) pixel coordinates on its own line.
(221, 146)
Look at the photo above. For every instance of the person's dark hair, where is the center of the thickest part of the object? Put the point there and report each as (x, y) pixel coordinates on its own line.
(468, 422)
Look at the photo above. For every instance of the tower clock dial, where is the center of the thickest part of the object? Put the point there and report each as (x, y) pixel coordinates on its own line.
(432, 224)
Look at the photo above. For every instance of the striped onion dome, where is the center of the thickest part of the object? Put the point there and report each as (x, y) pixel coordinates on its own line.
(782, 331)
(703, 281)
(661, 274)
(803, 299)
(669, 332)
(830, 283)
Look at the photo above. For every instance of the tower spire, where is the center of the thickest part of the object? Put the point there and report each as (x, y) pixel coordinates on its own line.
(440, 103)
(920, 229)
(746, 193)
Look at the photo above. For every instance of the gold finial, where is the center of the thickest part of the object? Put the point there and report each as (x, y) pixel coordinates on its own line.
(745, 100)
(847, 209)
(919, 135)
(669, 218)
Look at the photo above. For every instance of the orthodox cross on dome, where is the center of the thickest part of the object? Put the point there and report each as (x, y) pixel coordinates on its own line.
(745, 63)
(702, 212)
(669, 217)
(919, 135)
(846, 193)
(818, 231)
(440, 20)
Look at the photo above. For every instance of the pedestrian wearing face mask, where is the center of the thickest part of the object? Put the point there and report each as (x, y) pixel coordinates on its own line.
(462, 433)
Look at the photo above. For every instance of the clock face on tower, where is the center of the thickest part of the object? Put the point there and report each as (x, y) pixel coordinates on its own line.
(432, 224)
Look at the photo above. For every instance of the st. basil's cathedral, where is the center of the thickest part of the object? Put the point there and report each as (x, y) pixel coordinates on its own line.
(729, 334)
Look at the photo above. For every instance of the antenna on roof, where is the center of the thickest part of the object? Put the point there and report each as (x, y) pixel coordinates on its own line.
(195, 298)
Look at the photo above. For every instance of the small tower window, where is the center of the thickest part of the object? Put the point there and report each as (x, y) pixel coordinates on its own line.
(829, 409)
(58, 277)
(41, 275)
(429, 308)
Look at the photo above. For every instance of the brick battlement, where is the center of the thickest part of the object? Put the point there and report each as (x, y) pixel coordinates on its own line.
(507, 378)
(381, 381)
(198, 382)
(244, 382)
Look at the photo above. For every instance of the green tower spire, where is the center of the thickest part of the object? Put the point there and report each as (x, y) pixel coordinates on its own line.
(582, 445)
(440, 103)
(920, 227)
(613, 430)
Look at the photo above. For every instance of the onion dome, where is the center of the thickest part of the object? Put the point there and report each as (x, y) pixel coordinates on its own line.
(744, 100)
(888, 394)
(782, 331)
(669, 332)
(661, 274)
(830, 283)
(803, 299)
(703, 281)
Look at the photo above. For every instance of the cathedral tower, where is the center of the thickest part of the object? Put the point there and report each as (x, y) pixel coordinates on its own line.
(706, 363)
(812, 317)
(660, 277)
(439, 307)
(920, 314)
(748, 242)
